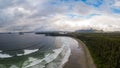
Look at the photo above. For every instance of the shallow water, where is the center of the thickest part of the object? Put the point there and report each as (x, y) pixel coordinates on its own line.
(33, 51)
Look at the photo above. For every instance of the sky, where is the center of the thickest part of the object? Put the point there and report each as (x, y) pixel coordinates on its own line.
(51, 15)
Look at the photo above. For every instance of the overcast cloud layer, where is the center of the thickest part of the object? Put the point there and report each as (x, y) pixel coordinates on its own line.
(37, 15)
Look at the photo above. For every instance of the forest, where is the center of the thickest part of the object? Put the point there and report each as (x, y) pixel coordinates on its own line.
(104, 48)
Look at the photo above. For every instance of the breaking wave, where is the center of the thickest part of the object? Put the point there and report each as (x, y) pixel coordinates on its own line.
(51, 59)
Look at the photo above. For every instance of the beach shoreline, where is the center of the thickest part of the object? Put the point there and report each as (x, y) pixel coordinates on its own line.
(80, 57)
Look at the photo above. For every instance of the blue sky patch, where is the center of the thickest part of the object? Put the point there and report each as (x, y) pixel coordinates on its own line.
(80, 16)
(94, 3)
(115, 10)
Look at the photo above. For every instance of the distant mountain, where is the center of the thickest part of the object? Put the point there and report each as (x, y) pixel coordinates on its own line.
(89, 30)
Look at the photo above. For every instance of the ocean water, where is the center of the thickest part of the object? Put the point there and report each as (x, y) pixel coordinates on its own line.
(34, 51)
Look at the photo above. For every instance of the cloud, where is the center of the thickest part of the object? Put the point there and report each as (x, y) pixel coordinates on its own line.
(5, 4)
(99, 22)
(117, 3)
(31, 15)
(106, 23)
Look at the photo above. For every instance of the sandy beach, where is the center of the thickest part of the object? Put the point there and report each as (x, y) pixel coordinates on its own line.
(80, 57)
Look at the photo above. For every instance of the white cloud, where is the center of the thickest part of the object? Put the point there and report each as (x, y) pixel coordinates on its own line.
(107, 23)
(117, 3)
(30, 15)
(102, 22)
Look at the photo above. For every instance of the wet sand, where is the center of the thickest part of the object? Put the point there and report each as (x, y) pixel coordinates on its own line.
(80, 57)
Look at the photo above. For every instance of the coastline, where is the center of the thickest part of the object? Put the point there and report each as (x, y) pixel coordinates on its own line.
(80, 57)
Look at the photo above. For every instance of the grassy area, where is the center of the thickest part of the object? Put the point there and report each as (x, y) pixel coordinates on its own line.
(104, 48)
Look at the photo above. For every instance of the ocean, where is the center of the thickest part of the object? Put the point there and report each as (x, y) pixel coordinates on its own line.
(34, 51)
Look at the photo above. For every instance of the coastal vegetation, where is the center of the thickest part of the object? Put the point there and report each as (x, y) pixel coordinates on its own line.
(104, 48)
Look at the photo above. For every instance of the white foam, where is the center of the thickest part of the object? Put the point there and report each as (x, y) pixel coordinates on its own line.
(47, 59)
(26, 52)
(61, 59)
(30, 51)
(63, 56)
(66, 57)
(13, 66)
(4, 55)
(0, 50)
(53, 60)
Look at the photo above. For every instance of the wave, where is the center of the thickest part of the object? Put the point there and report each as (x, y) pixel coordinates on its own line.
(55, 59)
(51, 60)
(4, 55)
(26, 52)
